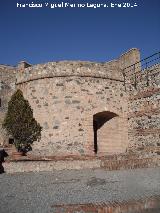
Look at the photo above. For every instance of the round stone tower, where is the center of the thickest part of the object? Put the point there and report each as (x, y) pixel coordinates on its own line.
(81, 106)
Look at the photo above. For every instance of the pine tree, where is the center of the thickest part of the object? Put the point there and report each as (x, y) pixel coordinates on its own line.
(20, 123)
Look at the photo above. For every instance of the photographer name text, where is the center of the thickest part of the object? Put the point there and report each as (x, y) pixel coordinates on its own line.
(77, 5)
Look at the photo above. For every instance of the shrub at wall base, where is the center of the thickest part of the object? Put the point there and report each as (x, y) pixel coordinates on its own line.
(20, 123)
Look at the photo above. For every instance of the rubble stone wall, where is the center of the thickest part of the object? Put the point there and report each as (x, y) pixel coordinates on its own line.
(144, 111)
(7, 87)
(65, 96)
(69, 97)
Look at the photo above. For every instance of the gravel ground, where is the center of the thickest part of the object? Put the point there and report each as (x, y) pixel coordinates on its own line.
(39, 192)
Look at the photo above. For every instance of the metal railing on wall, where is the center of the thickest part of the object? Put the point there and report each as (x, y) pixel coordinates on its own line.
(141, 68)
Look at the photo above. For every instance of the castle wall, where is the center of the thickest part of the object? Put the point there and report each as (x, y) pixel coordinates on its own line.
(65, 96)
(144, 111)
(7, 88)
(85, 107)
(130, 57)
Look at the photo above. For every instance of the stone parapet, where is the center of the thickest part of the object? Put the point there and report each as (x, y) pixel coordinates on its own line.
(70, 68)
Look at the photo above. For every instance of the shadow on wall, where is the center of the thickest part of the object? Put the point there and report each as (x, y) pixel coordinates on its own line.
(99, 119)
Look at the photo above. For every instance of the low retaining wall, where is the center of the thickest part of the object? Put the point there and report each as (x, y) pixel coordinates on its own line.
(146, 205)
(130, 164)
(39, 166)
(108, 163)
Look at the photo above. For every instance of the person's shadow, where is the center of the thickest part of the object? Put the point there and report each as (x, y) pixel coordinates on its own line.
(3, 154)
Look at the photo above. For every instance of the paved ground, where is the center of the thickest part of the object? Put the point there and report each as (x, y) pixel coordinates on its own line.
(39, 192)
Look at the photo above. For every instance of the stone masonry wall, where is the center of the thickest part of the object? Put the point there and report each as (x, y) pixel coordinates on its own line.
(144, 111)
(67, 97)
(64, 97)
(7, 87)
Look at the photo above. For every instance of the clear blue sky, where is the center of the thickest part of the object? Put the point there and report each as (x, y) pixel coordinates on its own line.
(39, 35)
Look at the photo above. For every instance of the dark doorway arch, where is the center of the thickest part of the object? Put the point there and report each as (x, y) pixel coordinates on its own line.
(99, 119)
(11, 140)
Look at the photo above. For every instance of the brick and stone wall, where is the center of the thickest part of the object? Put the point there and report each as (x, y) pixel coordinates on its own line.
(144, 111)
(109, 162)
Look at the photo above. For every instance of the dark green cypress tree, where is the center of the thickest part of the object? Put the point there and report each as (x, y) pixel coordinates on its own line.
(20, 123)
